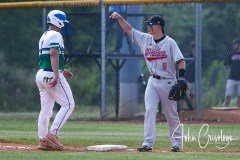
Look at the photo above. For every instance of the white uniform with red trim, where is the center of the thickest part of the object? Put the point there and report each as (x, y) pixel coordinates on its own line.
(61, 93)
(160, 58)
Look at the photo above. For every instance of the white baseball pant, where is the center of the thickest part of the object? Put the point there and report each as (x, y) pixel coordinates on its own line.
(61, 94)
(158, 90)
(231, 86)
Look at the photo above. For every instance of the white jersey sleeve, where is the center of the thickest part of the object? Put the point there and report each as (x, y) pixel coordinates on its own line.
(56, 40)
(140, 39)
(175, 51)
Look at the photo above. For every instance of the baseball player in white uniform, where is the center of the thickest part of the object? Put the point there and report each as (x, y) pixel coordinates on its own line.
(51, 82)
(161, 53)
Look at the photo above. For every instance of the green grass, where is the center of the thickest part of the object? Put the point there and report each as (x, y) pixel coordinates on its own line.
(80, 112)
(114, 156)
(84, 134)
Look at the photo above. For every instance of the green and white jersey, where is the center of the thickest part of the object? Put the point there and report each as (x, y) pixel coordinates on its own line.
(50, 39)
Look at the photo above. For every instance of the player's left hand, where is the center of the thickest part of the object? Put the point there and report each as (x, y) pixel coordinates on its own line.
(178, 90)
(67, 74)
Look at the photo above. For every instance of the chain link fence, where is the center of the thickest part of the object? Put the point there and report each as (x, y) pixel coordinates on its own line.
(22, 28)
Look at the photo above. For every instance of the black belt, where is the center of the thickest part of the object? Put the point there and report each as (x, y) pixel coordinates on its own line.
(49, 70)
(158, 77)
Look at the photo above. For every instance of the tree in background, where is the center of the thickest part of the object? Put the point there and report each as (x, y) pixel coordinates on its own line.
(21, 28)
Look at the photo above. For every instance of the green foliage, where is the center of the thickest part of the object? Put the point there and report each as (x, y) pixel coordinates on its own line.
(22, 28)
(86, 28)
(20, 44)
(220, 27)
(179, 22)
(18, 90)
(214, 83)
(86, 85)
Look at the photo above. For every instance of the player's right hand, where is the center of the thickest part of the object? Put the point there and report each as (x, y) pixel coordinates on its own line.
(115, 15)
(54, 82)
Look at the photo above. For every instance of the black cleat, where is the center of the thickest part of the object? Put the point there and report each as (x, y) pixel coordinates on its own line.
(175, 149)
(144, 148)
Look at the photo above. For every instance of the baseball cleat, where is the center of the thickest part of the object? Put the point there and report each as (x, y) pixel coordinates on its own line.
(45, 145)
(175, 149)
(53, 140)
(144, 148)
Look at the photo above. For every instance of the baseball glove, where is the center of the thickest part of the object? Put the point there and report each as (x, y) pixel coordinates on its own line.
(178, 90)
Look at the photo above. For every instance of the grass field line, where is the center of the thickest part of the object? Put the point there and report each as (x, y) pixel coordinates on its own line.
(80, 133)
(72, 135)
(75, 133)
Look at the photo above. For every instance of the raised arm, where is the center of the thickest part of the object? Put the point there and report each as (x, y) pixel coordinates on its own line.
(123, 23)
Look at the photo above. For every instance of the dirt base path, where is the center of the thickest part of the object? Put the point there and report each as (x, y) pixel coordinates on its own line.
(23, 147)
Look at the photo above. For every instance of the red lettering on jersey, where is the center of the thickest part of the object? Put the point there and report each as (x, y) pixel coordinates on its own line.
(164, 66)
(154, 55)
(148, 52)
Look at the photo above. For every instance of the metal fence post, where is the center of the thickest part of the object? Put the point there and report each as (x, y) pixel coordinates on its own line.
(198, 63)
(44, 19)
(103, 69)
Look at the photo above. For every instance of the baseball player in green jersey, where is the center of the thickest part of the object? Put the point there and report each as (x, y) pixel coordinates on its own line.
(52, 83)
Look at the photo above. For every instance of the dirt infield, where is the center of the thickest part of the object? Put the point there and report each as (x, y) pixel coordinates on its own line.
(231, 116)
(213, 116)
(23, 147)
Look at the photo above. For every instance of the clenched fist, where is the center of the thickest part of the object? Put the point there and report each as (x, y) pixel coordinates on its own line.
(116, 15)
